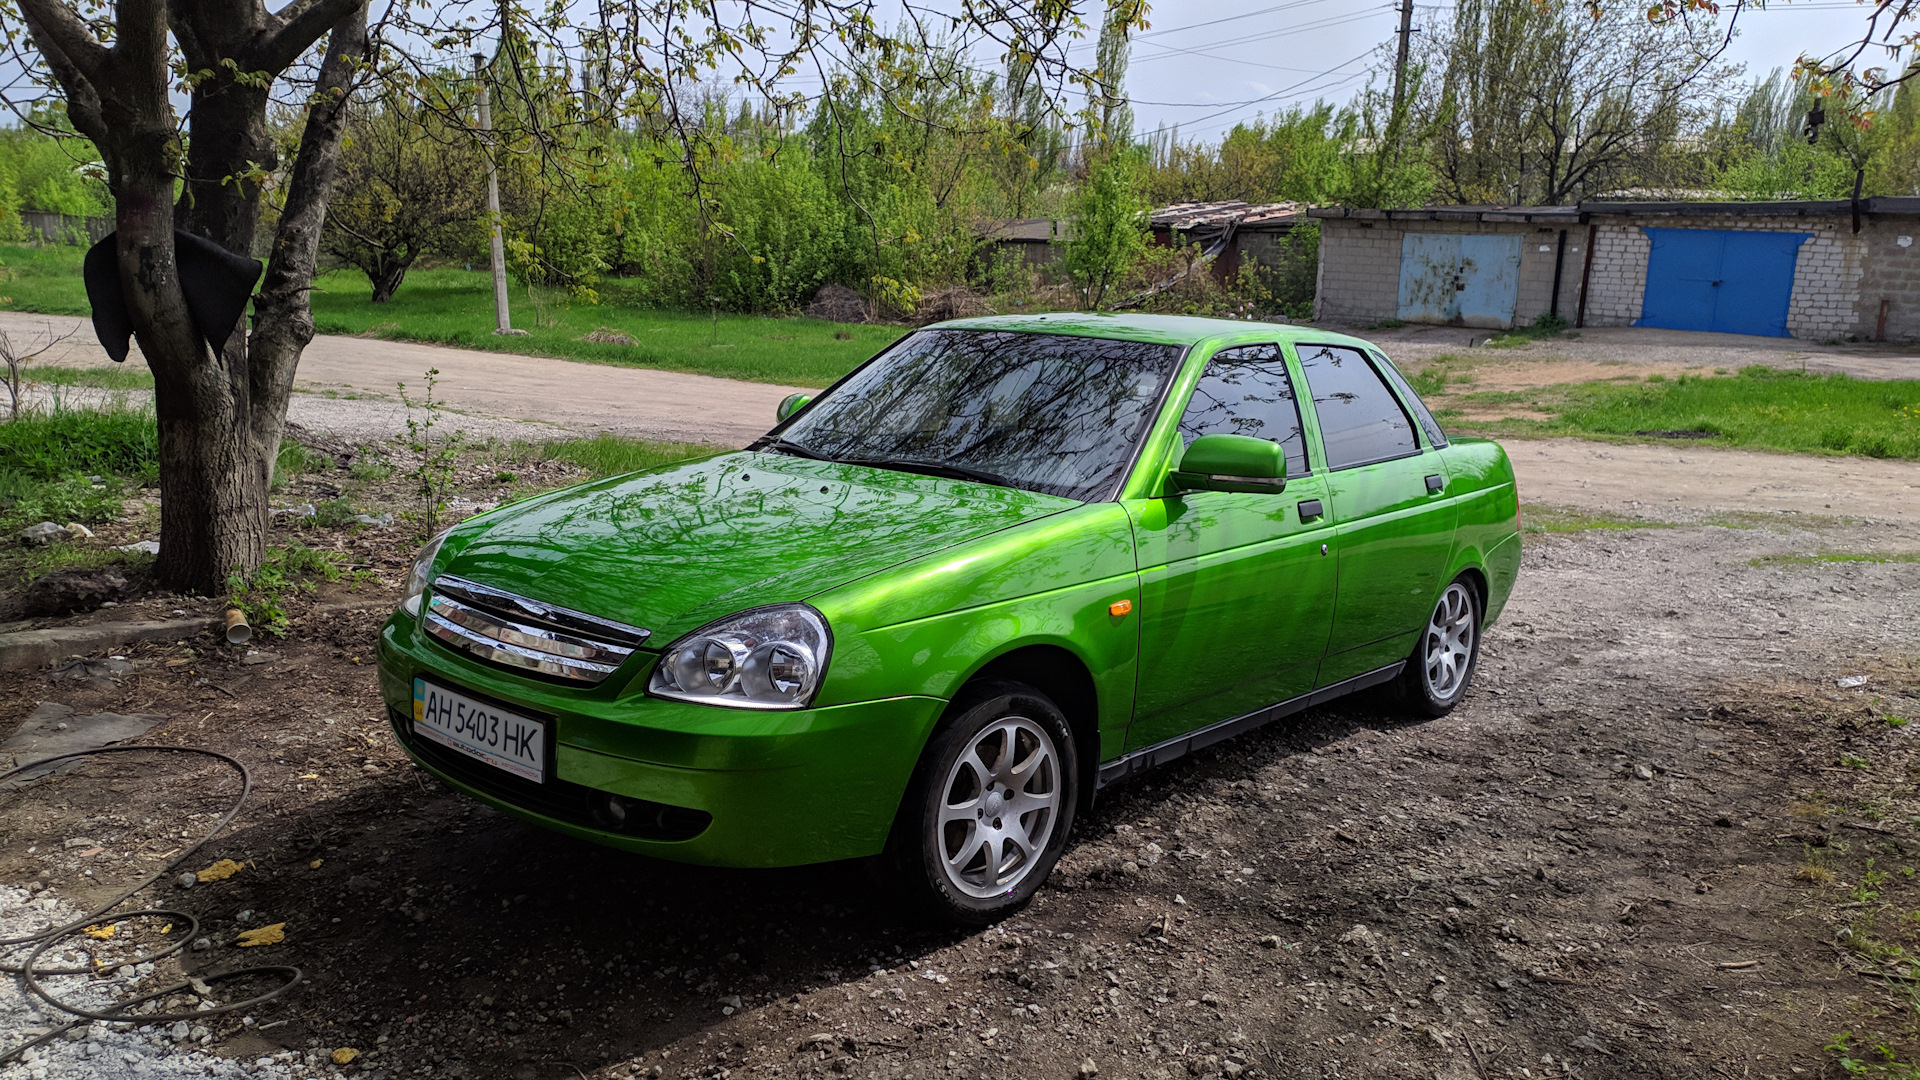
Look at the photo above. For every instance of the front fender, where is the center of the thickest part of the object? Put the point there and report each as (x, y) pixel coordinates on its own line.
(928, 627)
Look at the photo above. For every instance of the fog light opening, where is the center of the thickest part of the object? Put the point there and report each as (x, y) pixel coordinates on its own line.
(611, 812)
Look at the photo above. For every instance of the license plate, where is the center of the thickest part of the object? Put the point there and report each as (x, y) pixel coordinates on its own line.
(517, 744)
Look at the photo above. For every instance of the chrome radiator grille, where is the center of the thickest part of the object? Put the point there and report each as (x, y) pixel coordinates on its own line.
(522, 634)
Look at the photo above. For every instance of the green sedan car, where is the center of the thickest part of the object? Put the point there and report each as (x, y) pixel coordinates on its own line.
(1002, 564)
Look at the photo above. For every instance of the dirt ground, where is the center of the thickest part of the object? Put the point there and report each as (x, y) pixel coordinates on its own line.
(1636, 350)
(1657, 840)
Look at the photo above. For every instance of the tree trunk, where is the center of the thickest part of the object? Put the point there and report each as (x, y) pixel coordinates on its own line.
(392, 272)
(219, 416)
(283, 309)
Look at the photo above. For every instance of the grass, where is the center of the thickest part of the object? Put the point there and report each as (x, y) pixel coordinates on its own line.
(128, 376)
(63, 443)
(43, 279)
(1760, 408)
(455, 307)
(1836, 557)
(70, 466)
(613, 455)
(1546, 520)
(1540, 329)
(287, 570)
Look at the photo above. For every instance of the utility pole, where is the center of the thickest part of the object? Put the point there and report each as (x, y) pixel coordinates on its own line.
(503, 322)
(1400, 65)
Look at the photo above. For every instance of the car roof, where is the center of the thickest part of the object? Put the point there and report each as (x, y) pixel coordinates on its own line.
(1159, 329)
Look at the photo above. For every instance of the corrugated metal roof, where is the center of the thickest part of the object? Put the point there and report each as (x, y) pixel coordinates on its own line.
(1239, 215)
(1878, 204)
(1510, 214)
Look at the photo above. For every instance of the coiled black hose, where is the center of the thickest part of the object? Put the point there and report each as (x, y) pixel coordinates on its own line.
(44, 940)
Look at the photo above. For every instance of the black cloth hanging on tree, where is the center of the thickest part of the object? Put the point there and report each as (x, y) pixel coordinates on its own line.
(217, 284)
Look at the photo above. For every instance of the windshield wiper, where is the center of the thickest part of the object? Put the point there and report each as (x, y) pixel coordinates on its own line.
(796, 449)
(933, 468)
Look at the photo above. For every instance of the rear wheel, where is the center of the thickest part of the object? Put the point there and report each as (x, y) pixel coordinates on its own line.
(1443, 660)
(987, 814)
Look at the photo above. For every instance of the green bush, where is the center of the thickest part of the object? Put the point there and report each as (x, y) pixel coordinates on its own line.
(80, 442)
(24, 500)
(776, 238)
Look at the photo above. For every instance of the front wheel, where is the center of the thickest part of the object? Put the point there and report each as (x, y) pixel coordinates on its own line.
(1442, 663)
(987, 814)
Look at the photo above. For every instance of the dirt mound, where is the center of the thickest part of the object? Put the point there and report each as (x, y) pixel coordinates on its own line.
(837, 303)
(957, 302)
(65, 591)
(607, 335)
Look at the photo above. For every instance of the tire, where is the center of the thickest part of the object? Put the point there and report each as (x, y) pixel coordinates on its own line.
(961, 847)
(1443, 660)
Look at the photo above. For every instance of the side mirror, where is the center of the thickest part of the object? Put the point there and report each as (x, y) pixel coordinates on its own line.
(789, 405)
(1233, 463)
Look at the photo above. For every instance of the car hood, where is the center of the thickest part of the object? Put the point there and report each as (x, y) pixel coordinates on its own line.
(676, 547)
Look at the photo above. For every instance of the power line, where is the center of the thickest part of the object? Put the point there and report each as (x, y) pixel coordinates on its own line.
(1267, 35)
(1228, 19)
(1283, 91)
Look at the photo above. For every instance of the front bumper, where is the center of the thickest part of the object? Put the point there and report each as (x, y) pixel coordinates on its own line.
(733, 787)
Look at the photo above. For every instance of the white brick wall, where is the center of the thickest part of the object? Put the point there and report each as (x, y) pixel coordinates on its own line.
(1840, 279)
(1826, 278)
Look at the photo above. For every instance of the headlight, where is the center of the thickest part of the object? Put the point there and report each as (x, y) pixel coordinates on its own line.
(421, 573)
(770, 658)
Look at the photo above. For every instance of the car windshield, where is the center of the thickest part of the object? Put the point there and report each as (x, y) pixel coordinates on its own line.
(1045, 412)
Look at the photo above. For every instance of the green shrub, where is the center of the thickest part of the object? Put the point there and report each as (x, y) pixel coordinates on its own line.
(69, 442)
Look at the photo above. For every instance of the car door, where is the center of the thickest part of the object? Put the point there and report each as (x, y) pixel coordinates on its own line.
(1236, 588)
(1386, 490)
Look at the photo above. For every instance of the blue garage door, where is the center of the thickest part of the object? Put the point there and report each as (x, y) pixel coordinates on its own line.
(1728, 280)
(1464, 280)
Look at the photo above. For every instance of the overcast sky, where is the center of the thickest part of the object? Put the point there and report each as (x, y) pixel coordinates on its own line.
(1202, 60)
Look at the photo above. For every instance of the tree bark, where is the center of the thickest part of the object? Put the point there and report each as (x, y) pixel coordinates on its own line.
(283, 309)
(386, 281)
(219, 416)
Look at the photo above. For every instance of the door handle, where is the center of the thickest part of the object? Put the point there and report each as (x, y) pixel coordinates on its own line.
(1435, 483)
(1310, 510)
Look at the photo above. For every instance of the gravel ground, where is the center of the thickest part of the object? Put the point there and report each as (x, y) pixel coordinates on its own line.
(1598, 866)
(101, 1051)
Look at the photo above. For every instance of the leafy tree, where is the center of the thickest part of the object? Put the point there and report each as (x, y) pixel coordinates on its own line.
(408, 187)
(1896, 169)
(1315, 155)
(220, 414)
(114, 64)
(1551, 101)
(1112, 115)
(1109, 224)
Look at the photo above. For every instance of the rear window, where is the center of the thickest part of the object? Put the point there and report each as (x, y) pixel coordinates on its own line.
(1435, 437)
(1360, 422)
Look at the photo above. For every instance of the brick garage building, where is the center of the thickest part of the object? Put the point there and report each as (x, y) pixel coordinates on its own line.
(1813, 270)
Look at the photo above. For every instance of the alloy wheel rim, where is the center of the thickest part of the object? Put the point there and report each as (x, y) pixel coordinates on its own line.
(1449, 643)
(998, 808)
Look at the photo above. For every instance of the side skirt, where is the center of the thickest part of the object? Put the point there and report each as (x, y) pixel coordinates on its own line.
(1180, 745)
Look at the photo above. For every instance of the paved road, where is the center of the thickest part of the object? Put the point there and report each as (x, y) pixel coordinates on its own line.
(534, 397)
(575, 396)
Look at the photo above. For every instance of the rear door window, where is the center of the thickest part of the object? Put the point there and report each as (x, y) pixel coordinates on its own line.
(1246, 391)
(1435, 437)
(1360, 420)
